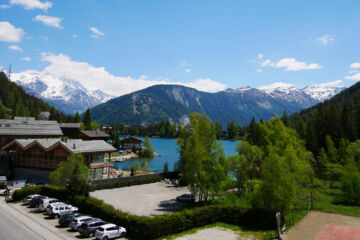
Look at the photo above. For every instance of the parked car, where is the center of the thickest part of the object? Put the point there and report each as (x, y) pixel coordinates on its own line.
(66, 218)
(187, 197)
(88, 228)
(57, 210)
(48, 208)
(28, 198)
(35, 201)
(109, 231)
(45, 202)
(76, 222)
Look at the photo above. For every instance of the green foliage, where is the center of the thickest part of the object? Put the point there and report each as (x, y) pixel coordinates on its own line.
(231, 129)
(87, 120)
(253, 155)
(77, 118)
(73, 174)
(350, 185)
(203, 157)
(147, 151)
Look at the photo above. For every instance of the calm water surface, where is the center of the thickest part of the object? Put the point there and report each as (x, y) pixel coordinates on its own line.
(167, 148)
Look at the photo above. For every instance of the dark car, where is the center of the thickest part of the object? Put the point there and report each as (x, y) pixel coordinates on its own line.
(66, 219)
(35, 201)
(187, 197)
(89, 228)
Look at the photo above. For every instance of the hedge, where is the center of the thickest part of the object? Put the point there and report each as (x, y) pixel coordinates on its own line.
(145, 227)
(125, 183)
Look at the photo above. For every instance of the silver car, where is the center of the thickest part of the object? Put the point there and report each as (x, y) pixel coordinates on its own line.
(76, 223)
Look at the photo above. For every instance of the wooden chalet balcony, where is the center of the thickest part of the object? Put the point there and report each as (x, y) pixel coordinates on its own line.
(100, 165)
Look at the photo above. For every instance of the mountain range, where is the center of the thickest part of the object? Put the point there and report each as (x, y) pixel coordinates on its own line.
(66, 95)
(176, 102)
(173, 102)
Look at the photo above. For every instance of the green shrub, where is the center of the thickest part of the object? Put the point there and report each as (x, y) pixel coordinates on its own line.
(350, 185)
(144, 227)
(126, 183)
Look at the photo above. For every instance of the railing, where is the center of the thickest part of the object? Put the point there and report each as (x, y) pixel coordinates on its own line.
(169, 175)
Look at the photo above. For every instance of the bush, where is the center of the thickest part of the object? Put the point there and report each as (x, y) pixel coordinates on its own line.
(143, 227)
(350, 185)
(127, 183)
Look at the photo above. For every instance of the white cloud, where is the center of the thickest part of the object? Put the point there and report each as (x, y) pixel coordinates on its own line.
(206, 85)
(355, 65)
(355, 77)
(325, 39)
(260, 56)
(188, 70)
(45, 38)
(32, 4)
(4, 6)
(96, 33)
(97, 78)
(290, 64)
(49, 21)
(336, 83)
(259, 70)
(26, 59)
(16, 48)
(267, 62)
(74, 35)
(9, 33)
(353, 71)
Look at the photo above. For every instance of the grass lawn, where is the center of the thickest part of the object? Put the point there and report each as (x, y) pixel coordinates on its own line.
(259, 234)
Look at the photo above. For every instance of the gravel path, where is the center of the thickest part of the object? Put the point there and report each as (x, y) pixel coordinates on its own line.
(216, 233)
(315, 222)
(144, 200)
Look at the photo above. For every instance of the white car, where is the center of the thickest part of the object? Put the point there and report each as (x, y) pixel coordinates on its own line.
(109, 231)
(28, 198)
(76, 223)
(60, 209)
(48, 208)
(44, 203)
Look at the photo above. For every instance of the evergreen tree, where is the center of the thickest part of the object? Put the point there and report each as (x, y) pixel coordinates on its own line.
(87, 120)
(218, 129)
(231, 129)
(77, 118)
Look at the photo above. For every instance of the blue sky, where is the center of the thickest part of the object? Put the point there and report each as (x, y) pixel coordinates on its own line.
(124, 45)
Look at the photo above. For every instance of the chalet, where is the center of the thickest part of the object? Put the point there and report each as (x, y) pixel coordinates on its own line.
(27, 127)
(34, 159)
(131, 143)
(92, 135)
(70, 129)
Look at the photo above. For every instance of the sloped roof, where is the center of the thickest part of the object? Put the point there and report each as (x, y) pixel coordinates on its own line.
(69, 125)
(95, 133)
(20, 126)
(71, 145)
(131, 140)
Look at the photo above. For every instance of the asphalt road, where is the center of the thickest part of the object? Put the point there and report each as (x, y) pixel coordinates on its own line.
(12, 228)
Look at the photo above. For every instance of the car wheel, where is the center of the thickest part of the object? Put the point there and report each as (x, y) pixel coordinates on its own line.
(57, 216)
(105, 238)
(122, 234)
(91, 235)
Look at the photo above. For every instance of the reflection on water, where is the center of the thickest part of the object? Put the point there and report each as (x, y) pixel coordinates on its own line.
(167, 148)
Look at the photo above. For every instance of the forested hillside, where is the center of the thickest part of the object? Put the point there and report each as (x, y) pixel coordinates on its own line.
(14, 101)
(338, 117)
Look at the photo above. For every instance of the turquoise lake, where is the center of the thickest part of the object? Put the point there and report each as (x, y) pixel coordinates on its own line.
(167, 148)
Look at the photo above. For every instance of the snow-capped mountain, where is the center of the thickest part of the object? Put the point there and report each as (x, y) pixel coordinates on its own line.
(66, 95)
(321, 92)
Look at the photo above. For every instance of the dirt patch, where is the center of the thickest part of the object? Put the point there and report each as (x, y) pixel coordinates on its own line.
(314, 223)
(216, 233)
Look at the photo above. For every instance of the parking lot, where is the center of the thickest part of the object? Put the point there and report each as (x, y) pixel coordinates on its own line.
(40, 224)
(144, 200)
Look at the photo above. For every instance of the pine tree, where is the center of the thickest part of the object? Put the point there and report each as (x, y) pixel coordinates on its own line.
(77, 118)
(87, 120)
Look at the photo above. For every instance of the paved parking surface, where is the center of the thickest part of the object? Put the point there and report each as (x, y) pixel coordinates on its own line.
(216, 233)
(145, 200)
